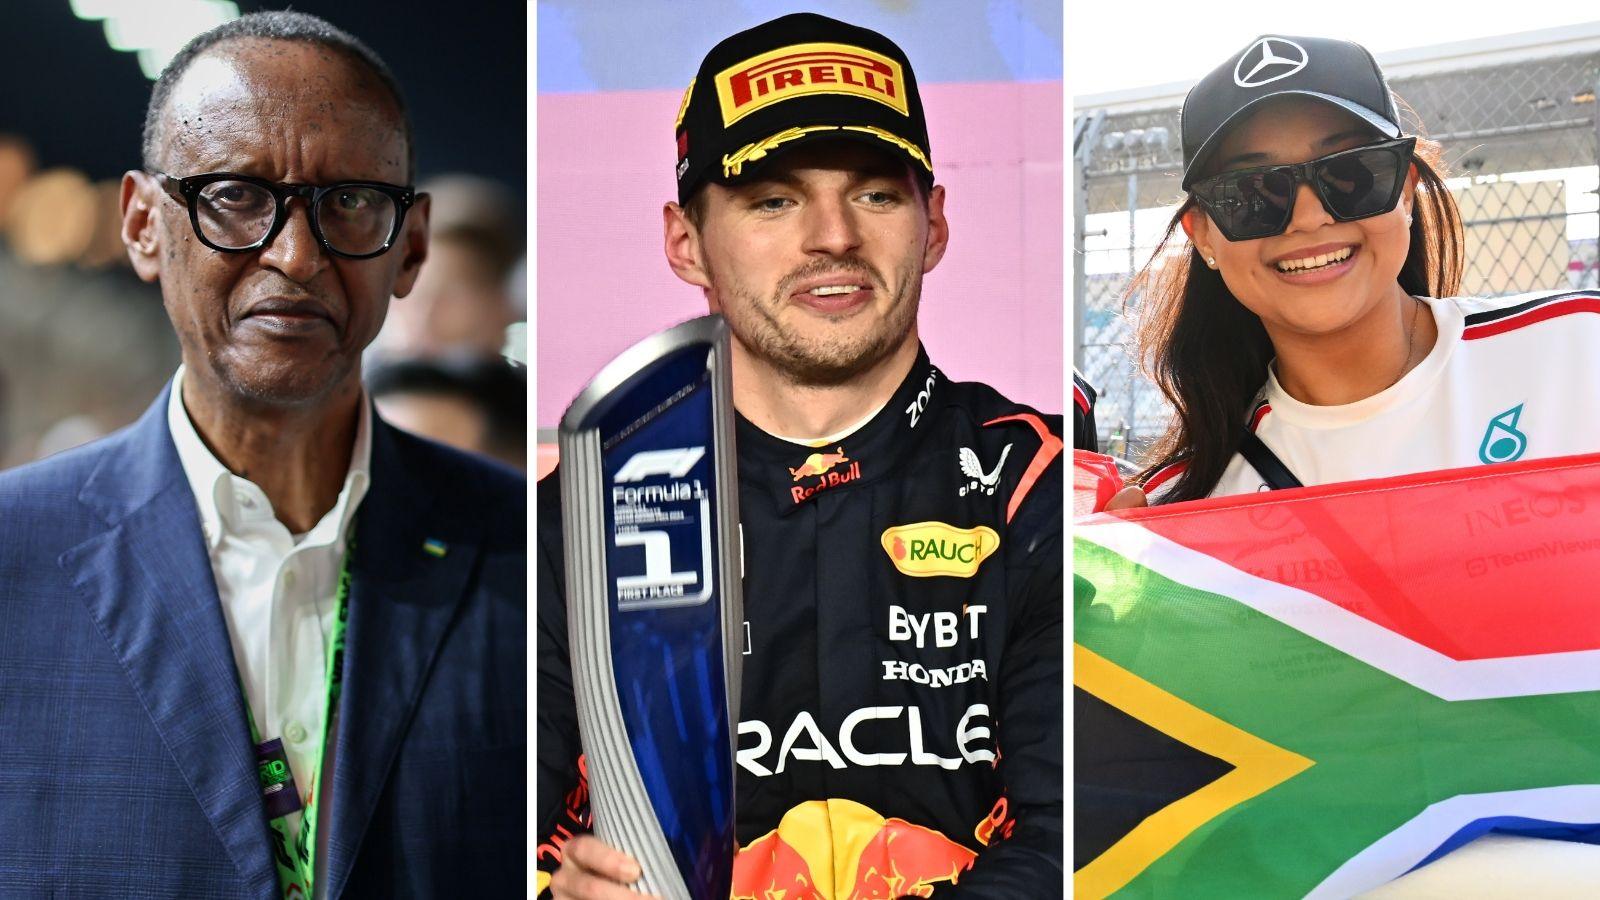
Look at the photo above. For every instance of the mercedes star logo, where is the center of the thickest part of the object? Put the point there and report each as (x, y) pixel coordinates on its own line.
(1268, 60)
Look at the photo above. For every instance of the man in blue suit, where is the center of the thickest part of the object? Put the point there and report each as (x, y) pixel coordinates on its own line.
(260, 644)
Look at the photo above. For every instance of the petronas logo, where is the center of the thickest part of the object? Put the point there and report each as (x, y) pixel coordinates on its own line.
(1502, 442)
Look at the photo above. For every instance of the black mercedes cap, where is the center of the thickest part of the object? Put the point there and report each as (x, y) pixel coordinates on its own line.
(792, 80)
(1338, 72)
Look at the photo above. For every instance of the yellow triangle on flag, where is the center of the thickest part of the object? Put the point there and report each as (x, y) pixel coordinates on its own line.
(1259, 765)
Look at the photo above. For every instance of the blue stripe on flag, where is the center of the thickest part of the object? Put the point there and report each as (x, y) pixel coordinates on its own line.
(1517, 825)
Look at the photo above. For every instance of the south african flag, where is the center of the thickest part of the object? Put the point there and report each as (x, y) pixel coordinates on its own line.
(1313, 692)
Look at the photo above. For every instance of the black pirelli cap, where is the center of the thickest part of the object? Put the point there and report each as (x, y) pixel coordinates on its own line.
(793, 80)
(1337, 72)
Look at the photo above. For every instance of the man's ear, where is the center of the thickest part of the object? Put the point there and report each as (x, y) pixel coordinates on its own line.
(681, 240)
(413, 245)
(138, 200)
(938, 230)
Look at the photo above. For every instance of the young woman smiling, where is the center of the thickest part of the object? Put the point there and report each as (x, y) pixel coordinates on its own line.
(1297, 335)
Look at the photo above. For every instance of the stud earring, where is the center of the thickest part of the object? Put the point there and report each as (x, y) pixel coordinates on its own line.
(1211, 261)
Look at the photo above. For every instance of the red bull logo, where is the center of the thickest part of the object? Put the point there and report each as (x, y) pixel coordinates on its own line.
(770, 868)
(821, 466)
(998, 825)
(817, 68)
(842, 850)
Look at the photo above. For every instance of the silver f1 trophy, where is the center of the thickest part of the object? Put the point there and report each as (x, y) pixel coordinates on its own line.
(650, 516)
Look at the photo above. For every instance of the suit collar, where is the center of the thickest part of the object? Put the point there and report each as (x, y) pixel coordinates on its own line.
(140, 464)
(146, 581)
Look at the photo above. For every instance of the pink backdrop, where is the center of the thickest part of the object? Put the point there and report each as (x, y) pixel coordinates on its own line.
(992, 310)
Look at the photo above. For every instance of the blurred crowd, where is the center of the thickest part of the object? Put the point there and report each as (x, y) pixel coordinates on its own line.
(439, 368)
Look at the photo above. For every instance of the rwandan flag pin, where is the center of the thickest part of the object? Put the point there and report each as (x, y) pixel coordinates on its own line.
(435, 548)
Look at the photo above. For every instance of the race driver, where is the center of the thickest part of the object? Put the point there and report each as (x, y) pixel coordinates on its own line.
(901, 723)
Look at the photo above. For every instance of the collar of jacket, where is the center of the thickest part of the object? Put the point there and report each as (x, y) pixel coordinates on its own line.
(795, 474)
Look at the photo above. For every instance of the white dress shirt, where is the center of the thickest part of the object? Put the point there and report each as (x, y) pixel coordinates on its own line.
(277, 589)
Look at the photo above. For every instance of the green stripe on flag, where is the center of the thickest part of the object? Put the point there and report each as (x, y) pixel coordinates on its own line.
(1382, 750)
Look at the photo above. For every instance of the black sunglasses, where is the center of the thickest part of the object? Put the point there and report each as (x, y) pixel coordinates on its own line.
(239, 213)
(1358, 183)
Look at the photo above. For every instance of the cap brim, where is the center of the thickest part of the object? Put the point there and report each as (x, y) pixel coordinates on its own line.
(1202, 156)
(753, 167)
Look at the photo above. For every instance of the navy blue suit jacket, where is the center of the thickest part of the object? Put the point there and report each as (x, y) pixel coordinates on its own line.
(126, 766)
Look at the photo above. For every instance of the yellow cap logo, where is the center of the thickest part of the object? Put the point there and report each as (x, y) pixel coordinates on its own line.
(802, 69)
(683, 105)
(926, 549)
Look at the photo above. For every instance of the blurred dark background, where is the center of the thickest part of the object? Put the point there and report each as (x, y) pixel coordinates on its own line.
(462, 65)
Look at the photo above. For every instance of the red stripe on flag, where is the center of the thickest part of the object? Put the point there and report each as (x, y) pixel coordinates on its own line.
(1095, 480)
(1477, 563)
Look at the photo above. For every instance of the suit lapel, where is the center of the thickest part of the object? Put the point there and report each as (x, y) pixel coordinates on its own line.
(402, 600)
(147, 582)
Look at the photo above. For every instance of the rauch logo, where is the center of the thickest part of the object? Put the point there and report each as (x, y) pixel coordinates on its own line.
(926, 549)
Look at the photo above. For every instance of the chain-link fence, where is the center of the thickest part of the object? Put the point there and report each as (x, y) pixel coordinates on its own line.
(1520, 140)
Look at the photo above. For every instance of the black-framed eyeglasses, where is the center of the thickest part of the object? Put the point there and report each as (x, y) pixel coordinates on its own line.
(238, 213)
(1358, 183)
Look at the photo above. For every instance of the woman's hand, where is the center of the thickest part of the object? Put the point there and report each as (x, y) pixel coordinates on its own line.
(1130, 497)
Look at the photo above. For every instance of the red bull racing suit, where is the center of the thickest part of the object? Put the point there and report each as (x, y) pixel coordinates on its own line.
(901, 722)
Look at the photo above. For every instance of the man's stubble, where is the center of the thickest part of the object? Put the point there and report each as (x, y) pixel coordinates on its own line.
(811, 362)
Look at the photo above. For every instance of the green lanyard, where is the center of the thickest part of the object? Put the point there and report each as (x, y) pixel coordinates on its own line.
(296, 868)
